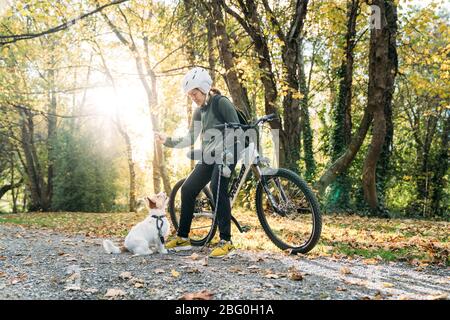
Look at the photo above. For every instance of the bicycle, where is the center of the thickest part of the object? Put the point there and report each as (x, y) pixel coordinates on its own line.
(274, 202)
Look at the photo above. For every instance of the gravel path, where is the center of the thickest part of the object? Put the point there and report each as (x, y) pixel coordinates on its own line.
(42, 264)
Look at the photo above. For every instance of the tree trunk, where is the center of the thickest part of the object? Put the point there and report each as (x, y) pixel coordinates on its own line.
(383, 168)
(339, 196)
(160, 162)
(237, 90)
(291, 101)
(305, 123)
(370, 162)
(379, 88)
(211, 56)
(344, 161)
(440, 170)
(35, 180)
(132, 171)
(13, 185)
(51, 138)
(4, 189)
(425, 166)
(251, 23)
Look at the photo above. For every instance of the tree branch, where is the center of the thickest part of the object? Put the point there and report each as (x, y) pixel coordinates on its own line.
(274, 21)
(250, 30)
(45, 114)
(26, 36)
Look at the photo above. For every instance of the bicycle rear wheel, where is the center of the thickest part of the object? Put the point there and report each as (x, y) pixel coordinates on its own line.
(202, 222)
(288, 211)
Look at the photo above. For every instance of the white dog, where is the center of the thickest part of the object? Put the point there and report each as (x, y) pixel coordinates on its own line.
(148, 233)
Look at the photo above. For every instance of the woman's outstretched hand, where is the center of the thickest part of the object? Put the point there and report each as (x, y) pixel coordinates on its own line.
(160, 137)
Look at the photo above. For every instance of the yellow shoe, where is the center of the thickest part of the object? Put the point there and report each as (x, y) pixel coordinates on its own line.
(223, 249)
(178, 244)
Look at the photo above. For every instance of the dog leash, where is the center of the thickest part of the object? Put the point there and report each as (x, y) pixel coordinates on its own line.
(159, 224)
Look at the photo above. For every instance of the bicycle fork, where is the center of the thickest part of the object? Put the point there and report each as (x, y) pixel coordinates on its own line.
(264, 183)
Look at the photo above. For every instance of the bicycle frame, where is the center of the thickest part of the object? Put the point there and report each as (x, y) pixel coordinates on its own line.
(251, 161)
(243, 173)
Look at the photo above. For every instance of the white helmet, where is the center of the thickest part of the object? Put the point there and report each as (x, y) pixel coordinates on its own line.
(197, 78)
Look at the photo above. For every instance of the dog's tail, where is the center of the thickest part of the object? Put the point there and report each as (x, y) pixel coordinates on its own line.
(111, 248)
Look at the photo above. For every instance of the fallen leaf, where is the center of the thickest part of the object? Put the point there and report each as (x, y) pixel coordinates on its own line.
(91, 241)
(72, 288)
(90, 290)
(254, 266)
(70, 259)
(175, 273)
(235, 269)
(19, 278)
(201, 295)
(125, 275)
(193, 270)
(295, 275)
(113, 293)
(378, 296)
(74, 276)
(159, 271)
(138, 285)
(256, 259)
(341, 289)
(370, 261)
(441, 296)
(2, 274)
(387, 285)
(194, 256)
(272, 276)
(134, 280)
(205, 261)
(28, 262)
(345, 270)
(2, 258)
(143, 261)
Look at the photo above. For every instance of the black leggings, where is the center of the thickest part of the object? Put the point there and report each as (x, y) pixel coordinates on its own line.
(197, 180)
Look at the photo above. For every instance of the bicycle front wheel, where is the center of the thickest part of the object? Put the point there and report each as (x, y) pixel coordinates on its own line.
(288, 211)
(202, 226)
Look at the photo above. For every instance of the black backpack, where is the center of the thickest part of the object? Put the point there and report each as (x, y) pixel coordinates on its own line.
(215, 108)
(242, 118)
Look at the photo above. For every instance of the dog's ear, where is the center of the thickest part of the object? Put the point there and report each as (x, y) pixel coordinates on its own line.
(151, 204)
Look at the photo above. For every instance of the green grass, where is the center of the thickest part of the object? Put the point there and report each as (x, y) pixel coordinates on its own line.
(386, 255)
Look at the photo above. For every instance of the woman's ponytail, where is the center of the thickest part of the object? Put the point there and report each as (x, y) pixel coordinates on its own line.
(215, 91)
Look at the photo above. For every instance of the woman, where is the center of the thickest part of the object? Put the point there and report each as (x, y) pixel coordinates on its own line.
(197, 85)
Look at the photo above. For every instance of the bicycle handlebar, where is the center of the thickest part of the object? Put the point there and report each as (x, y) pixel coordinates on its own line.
(233, 125)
